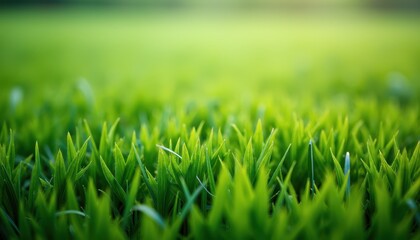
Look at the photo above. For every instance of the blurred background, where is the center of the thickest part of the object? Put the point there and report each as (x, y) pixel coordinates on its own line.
(231, 3)
(63, 60)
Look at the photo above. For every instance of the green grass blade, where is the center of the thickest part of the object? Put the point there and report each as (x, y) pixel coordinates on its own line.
(145, 176)
(115, 186)
(35, 178)
(278, 168)
(311, 168)
(347, 172)
(150, 212)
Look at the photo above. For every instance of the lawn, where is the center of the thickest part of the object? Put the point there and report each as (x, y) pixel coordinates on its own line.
(195, 124)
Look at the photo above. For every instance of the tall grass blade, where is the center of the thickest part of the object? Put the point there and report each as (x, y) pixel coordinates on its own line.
(347, 172)
(311, 168)
(145, 175)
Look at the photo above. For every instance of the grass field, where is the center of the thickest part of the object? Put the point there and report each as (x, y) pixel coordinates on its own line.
(209, 125)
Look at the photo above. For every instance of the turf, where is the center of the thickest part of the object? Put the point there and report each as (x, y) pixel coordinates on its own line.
(188, 124)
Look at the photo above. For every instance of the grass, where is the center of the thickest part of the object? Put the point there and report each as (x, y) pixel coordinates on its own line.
(182, 125)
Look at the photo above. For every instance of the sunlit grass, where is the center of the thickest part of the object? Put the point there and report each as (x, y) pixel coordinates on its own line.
(183, 125)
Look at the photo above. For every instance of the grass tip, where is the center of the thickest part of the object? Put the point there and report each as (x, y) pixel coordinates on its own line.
(168, 150)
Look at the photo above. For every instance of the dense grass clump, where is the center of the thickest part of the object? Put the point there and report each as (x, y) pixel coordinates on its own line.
(255, 153)
(247, 180)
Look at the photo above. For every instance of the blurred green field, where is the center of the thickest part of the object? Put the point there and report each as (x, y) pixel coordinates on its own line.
(215, 112)
(124, 58)
(189, 54)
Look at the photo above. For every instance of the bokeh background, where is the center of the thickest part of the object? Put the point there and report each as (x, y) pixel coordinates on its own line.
(61, 61)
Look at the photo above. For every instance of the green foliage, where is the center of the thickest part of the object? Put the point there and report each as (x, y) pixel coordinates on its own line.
(252, 192)
(125, 163)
